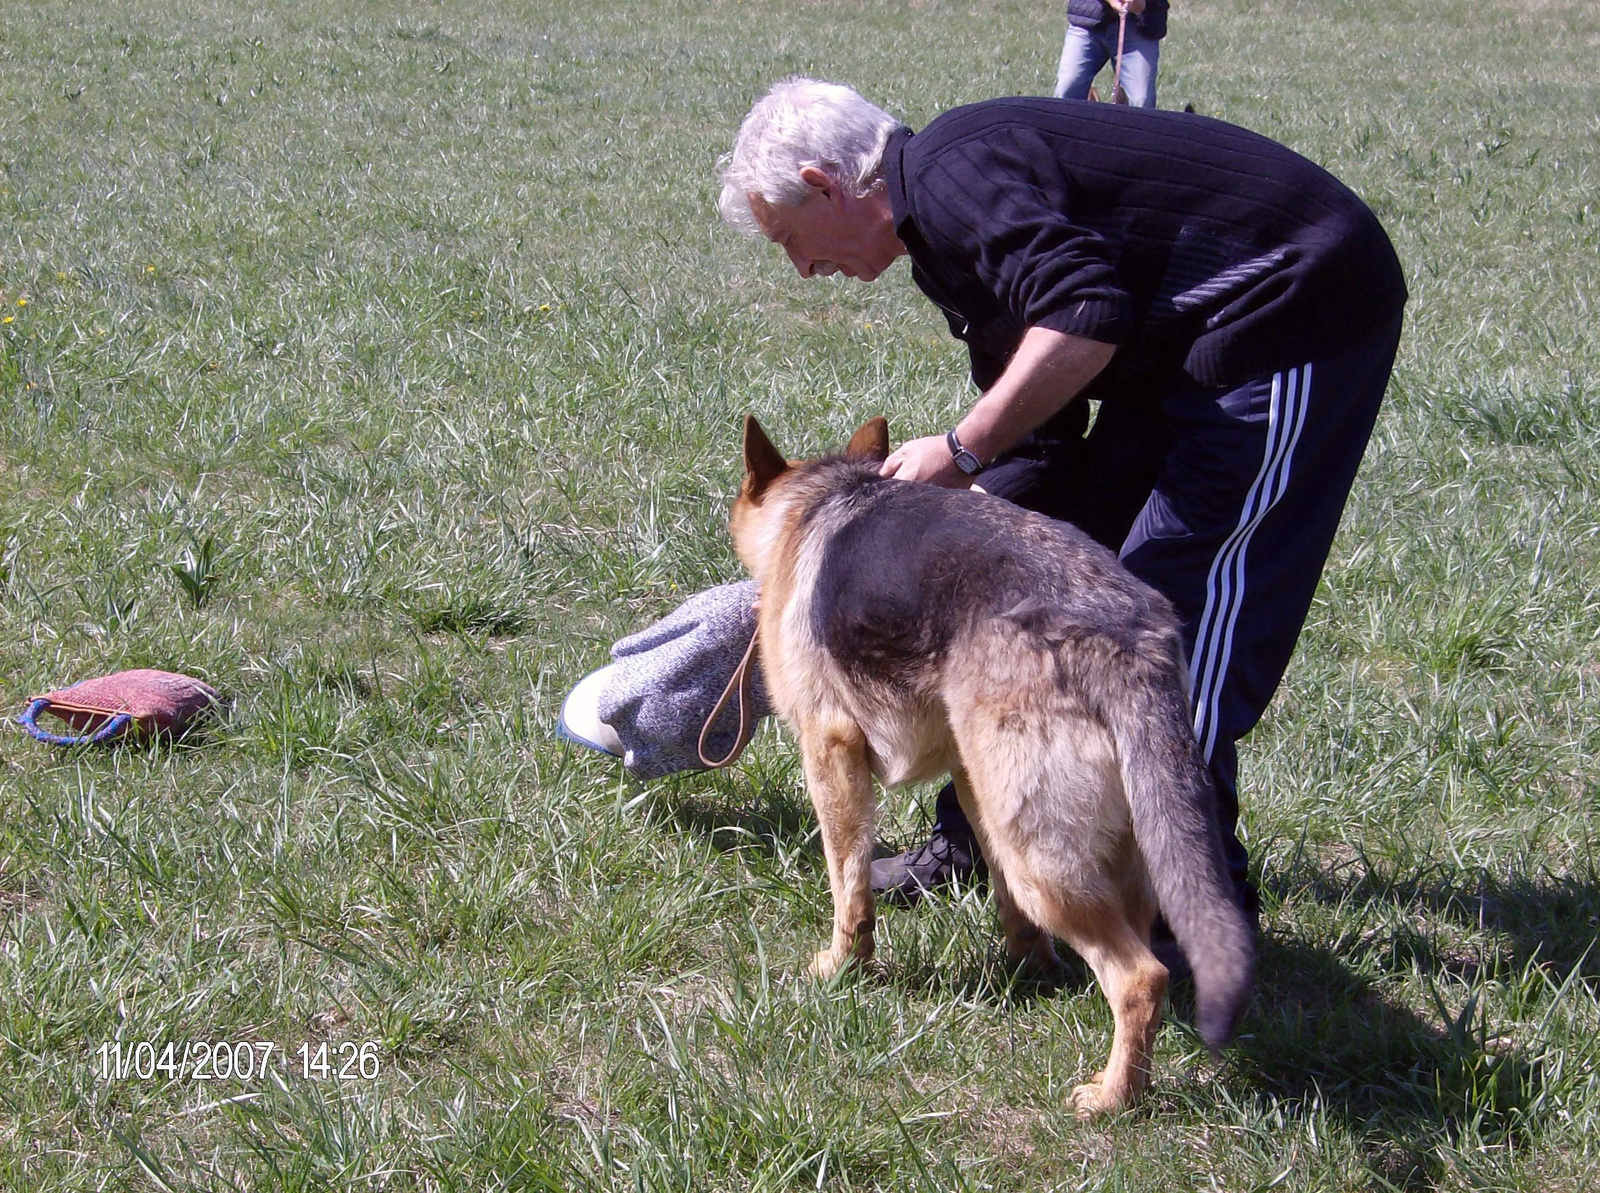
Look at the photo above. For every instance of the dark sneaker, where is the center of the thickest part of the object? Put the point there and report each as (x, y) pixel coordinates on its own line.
(945, 858)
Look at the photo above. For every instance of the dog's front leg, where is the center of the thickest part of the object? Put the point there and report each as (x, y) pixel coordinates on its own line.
(840, 782)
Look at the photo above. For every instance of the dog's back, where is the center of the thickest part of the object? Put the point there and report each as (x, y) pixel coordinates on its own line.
(904, 571)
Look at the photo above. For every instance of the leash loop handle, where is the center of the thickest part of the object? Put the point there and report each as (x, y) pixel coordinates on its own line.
(739, 681)
(29, 720)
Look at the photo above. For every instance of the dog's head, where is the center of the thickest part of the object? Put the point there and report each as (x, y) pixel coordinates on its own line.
(758, 511)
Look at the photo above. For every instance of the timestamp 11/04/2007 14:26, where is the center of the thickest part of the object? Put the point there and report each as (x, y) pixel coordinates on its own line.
(242, 1060)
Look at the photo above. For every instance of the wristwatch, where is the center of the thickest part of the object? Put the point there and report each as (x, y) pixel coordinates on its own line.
(965, 460)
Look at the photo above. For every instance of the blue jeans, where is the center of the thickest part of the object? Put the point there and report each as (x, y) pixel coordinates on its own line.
(1087, 50)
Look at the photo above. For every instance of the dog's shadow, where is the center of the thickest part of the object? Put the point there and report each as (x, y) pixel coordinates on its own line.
(734, 813)
(1321, 1037)
(1327, 1031)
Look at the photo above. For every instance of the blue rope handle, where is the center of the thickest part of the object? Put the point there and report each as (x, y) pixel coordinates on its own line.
(29, 720)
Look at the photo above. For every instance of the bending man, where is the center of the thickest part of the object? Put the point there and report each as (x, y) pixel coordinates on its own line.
(1234, 308)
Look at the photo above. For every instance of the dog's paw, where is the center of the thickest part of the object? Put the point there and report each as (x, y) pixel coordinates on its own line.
(827, 965)
(1090, 1100)
(831, 962)
(1097, 1096)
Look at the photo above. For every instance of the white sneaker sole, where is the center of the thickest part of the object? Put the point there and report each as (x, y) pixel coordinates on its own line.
(580, 719)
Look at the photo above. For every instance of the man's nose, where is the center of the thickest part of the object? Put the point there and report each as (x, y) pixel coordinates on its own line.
(803, 264)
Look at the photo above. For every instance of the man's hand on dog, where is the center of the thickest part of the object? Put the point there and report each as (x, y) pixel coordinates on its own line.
(926, 459)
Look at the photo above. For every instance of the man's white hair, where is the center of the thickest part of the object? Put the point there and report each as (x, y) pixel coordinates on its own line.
(803, 122)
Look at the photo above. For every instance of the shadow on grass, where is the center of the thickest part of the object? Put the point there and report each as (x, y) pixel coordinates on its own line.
(735, 815)
(1322, 1033)
(1546, 920)
(769, 809)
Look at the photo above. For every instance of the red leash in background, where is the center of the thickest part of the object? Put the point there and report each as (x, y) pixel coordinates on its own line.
(1118, 95)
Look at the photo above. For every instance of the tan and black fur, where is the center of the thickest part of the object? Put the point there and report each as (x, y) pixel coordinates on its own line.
(907, 631)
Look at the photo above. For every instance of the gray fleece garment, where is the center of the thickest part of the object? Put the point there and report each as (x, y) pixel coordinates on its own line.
(668, 677)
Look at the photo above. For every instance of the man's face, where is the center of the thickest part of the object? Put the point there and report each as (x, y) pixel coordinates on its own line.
(829, 231)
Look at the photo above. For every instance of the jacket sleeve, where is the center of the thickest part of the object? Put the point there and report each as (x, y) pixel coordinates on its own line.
(1001, 212)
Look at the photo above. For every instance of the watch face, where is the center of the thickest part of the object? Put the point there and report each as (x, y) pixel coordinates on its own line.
(964, 459)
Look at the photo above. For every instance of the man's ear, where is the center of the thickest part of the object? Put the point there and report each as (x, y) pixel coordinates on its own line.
(819, 180)
(763, 463)
(871, 440)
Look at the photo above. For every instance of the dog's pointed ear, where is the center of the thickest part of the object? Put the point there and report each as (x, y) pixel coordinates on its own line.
(763, 463)
(871, 441)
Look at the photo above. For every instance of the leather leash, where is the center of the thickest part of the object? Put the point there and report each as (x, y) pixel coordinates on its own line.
(740, 682)
(1118, 95)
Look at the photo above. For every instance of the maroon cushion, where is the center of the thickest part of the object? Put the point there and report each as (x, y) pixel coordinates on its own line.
(158, 701)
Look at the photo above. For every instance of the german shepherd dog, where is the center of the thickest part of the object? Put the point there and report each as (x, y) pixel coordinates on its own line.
(908, 630)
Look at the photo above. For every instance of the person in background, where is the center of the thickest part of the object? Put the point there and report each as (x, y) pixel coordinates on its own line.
(1092, 29)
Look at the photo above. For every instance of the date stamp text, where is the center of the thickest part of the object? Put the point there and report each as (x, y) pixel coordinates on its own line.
(241, 1060)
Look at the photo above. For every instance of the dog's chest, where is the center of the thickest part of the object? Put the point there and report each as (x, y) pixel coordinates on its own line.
(906, 746)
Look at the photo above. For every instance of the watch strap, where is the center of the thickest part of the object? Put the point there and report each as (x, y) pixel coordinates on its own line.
(965, 460)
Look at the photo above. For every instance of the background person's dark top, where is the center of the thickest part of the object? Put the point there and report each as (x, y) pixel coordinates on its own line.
(1091, 14)
(1192, 244)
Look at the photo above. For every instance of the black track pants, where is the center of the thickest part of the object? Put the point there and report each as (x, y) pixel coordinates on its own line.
(1226, 501)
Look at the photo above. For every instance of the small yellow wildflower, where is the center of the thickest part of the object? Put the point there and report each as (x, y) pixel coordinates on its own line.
(9, 319)
(22, 302)
(149, 268)
(544, 306)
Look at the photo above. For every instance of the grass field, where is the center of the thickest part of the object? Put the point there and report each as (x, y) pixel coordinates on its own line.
(381, 363)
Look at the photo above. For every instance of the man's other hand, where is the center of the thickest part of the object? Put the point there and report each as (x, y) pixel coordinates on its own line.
(926, 459)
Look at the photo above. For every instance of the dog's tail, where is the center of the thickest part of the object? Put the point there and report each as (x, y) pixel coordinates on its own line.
(1171, 798)
(1134, 679)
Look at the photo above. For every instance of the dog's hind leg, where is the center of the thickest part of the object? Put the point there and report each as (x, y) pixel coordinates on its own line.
(1135, 984)
(1074, 895)
(839, 779)
(1026, 942)
(1054, 817)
